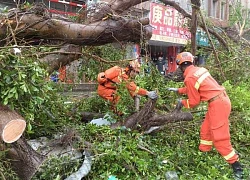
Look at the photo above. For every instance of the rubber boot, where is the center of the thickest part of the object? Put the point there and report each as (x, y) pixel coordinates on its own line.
(238, 170)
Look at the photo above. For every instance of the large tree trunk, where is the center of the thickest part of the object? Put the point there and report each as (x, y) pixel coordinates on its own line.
(25, 161)
(104, 25)
(12, 125)
(37, 23)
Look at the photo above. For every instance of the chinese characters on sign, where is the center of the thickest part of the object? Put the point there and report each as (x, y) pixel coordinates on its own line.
(168, 24)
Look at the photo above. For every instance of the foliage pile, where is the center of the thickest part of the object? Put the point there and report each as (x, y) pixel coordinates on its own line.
(132, 155)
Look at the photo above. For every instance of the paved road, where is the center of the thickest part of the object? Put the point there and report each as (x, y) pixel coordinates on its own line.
(82, 90)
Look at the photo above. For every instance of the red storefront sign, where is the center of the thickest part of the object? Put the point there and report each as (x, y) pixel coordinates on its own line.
(168, 24)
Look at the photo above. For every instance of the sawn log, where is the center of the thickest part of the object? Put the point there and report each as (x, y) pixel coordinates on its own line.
(12, 125)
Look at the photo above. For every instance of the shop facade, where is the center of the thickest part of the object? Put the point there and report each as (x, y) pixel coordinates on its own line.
(169, 36)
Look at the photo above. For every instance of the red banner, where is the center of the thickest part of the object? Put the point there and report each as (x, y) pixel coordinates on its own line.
(168, 24)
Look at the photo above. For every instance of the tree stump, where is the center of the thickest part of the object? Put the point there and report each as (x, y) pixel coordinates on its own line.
(12, 125)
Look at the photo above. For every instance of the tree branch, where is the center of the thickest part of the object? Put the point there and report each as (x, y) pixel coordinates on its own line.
(213, 47)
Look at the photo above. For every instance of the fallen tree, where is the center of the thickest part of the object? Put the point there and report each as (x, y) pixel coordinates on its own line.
(104, 23)
(37, 24)
(39, 27)
(26, 159)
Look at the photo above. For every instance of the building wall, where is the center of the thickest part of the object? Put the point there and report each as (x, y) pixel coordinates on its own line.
(217, 11)
(245, 4)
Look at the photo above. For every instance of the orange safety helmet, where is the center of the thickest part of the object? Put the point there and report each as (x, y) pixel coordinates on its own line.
(101, 78)
(184, 57)
(135, 65)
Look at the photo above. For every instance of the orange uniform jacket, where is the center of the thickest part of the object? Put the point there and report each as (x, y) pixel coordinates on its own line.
(62, 73)
(108, 89)
(201, 86)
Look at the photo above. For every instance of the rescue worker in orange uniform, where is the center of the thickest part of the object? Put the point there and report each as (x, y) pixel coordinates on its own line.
(201, 86)
(109, 80)
(62, 73)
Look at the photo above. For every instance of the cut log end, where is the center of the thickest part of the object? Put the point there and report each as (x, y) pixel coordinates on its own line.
(13, 130)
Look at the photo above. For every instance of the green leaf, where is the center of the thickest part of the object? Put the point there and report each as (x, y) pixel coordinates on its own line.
(29, 129)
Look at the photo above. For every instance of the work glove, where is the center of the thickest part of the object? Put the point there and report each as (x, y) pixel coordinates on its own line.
(179, 104)
(152, 94)
(173, 89)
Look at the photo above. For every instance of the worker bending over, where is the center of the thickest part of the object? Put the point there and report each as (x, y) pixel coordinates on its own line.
(201, 86)
(109, 80)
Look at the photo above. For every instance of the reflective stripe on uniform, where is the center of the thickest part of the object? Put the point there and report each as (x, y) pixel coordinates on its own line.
(188, 103)
(210, 143)
(201, 79)
(120, 75)
(230, 155)
(137, 90)
(201, 74)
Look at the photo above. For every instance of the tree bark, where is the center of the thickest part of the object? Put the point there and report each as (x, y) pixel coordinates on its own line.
(39, 23)
(113, 8)
(36, 23)
(194, 23)
(57, 60)
(147, 118)
(25, 161)
(12, 125)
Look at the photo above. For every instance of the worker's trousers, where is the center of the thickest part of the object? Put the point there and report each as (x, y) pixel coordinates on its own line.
(215, 129)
